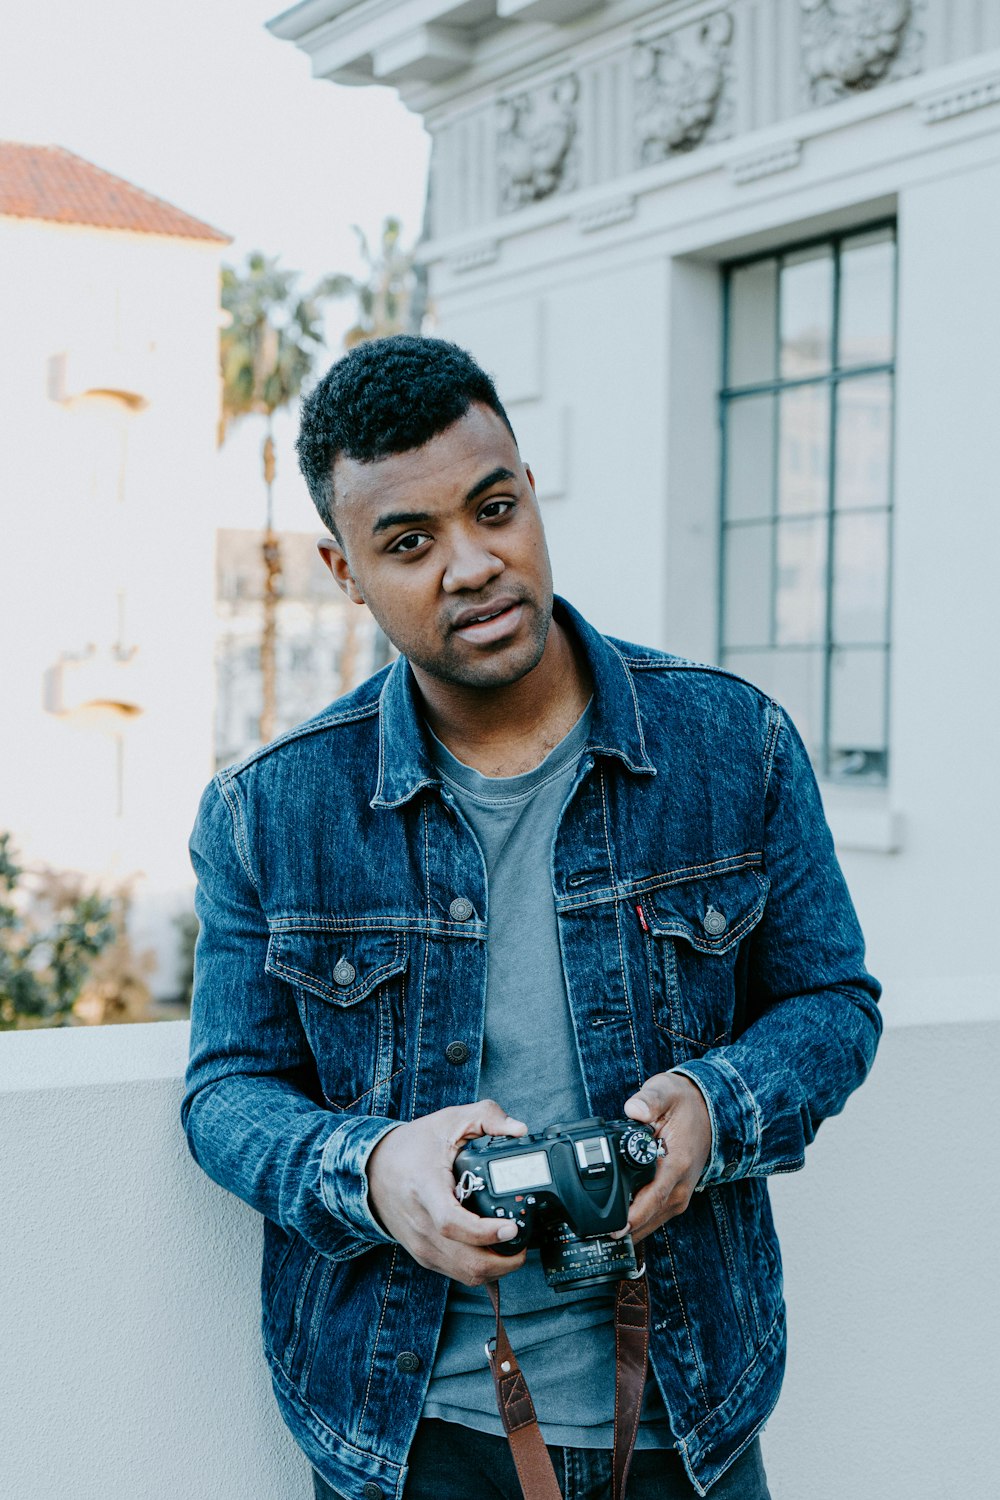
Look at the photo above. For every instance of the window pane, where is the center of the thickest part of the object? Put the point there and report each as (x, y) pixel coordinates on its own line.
(804, 451)
(800, 593)
(864, 437)
(867, 273)
(806, 312)
(861, 578)
(857, 713)
(749, 457)
(795, 679)
(753, 323)
(747, 585)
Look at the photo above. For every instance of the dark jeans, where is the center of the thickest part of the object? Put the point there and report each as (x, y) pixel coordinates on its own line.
(449, 1462)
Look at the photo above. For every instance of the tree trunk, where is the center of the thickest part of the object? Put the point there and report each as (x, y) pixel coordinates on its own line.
(271, 551)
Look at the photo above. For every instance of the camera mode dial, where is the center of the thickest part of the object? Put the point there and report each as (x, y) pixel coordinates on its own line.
(639, 1146)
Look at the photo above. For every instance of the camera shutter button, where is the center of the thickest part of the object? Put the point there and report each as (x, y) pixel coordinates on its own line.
(457, 1052)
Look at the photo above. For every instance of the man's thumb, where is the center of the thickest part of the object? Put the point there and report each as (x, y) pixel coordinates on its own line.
(496, 1121)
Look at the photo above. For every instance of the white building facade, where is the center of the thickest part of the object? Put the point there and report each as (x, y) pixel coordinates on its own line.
(734, 267)
(109, 393)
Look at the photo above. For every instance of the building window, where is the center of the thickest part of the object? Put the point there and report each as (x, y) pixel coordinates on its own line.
(806, 410)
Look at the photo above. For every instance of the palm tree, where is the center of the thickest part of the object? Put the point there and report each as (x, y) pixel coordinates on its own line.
(391, 297)
(268, 346)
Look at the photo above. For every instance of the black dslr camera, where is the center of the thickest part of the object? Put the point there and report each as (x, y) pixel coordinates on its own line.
(567, 1190)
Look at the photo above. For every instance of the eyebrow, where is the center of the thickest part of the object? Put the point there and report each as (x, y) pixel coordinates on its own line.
(415, 517)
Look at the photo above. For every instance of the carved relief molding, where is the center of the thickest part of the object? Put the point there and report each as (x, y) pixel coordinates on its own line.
(852, 45)
(679, 84)
(536, 133)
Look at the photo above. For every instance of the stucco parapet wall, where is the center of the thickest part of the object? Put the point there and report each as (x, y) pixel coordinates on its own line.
(86, 1056)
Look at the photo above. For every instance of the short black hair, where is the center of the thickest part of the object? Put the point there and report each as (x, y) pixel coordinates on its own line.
(386, 396)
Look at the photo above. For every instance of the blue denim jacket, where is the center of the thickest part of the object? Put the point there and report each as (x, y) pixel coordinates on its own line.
(705, 926)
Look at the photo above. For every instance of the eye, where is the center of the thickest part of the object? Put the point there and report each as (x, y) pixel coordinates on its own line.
(493, 510)
(410, 542)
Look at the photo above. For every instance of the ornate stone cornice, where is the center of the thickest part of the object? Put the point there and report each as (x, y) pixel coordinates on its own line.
(959, 99)
(765, 162)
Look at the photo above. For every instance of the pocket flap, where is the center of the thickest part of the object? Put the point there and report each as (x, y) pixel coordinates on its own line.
(711, 913)
(341, 967)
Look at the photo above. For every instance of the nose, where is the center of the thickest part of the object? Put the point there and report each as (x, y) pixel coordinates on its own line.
(471, 565)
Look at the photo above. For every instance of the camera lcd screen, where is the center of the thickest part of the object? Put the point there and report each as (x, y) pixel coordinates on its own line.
(512, 1174)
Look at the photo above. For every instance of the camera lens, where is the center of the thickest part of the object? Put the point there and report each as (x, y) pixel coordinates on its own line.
(569, 1261)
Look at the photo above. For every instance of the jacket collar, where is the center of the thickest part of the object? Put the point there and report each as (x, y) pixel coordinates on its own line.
(405, 764)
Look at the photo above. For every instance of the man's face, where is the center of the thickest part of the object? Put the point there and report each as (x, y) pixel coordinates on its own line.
(445, 545)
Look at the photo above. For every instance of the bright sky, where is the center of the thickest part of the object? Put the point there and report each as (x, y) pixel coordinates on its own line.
(194, 101)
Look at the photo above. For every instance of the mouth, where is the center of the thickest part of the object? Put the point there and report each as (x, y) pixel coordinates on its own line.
(494, 623)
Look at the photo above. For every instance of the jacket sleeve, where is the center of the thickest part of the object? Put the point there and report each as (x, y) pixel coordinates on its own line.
(812, 1015)
(250, 1123)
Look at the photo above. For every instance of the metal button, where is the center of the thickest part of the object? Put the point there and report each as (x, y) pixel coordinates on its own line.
(456, 1052)
(408, 1362)
(729, 1169)
(461, 909)
(714, 922)
(372, 1491)
(345, 973)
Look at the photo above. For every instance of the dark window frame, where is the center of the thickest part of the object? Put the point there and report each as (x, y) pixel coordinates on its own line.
(833, 378)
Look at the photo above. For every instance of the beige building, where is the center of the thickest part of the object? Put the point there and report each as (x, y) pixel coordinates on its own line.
(109, 305)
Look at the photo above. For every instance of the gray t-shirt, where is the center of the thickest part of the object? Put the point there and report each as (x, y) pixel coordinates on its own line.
(565, 1342)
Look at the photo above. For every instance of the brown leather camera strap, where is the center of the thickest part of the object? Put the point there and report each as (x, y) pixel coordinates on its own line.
(517, 1411)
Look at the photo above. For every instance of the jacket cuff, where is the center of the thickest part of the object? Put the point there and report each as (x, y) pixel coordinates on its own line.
(736, 1129)
(343, 1178)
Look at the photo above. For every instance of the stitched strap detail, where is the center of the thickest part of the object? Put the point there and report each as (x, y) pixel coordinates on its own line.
(517, 1412)
(631, 1359)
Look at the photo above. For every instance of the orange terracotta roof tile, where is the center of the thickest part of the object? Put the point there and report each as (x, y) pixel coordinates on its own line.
(48, 182)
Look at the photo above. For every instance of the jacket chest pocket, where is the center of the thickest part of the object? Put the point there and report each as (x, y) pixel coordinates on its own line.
(350, 990)
(693, 934)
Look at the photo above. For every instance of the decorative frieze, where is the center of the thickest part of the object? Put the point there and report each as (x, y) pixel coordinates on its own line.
(604, 215)
(852, 45)
(679, 84)
(960, 99)
(765, 163)
(536, 133)
(475, 256)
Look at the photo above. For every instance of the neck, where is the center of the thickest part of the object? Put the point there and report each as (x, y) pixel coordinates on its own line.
(506, 730)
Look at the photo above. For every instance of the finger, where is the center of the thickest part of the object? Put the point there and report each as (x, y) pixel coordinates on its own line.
(456, 1223)
(656, 1204)
(476, 1267)
(485, 1117)
(652, 1101)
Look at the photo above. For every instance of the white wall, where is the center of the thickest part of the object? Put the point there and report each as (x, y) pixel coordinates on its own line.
(130, 1363)
(145, 306)
(588, 415)
(945, 711)
(129, 1350)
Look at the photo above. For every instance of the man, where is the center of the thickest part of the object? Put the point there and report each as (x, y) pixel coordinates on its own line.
(526, 864)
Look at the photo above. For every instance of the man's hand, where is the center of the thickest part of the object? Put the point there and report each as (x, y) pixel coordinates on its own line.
(675, 1109)
(411, 1187)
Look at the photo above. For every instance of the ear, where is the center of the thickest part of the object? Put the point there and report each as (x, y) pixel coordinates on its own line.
(333, 555)
(531, 480)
